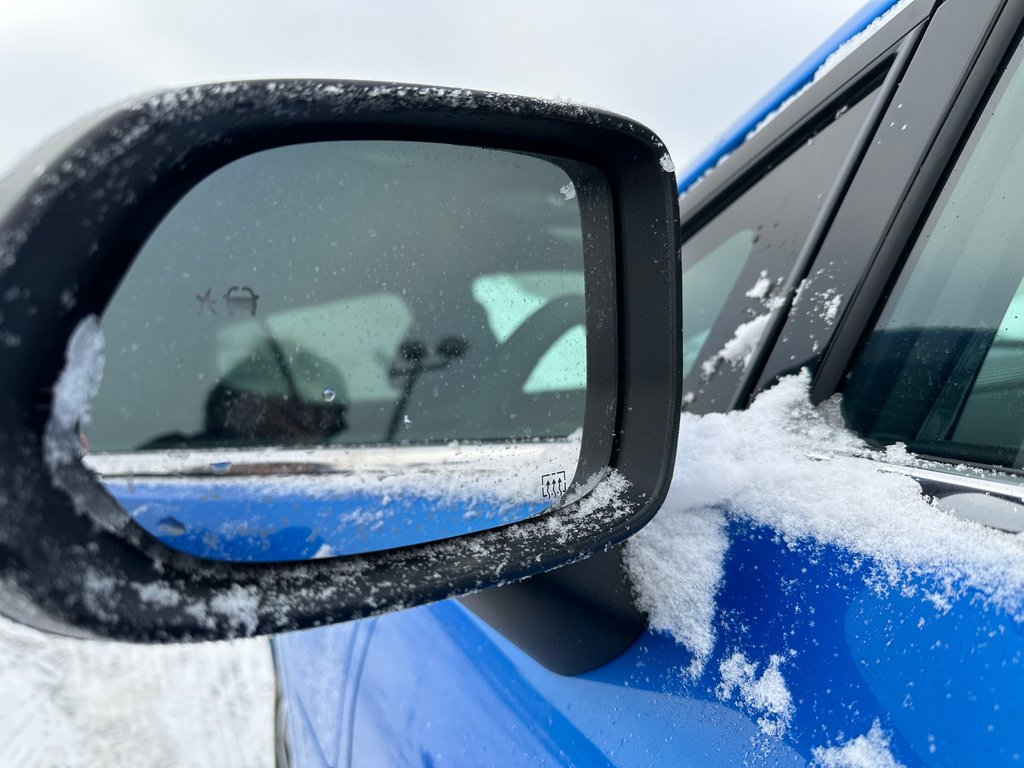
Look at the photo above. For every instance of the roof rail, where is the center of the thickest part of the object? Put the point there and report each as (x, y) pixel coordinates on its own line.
(802, 75)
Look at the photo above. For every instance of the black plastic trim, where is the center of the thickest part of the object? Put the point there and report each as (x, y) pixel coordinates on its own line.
(571, 620)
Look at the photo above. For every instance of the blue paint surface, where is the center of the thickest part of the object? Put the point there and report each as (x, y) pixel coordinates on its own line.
(800, 76)
(435, 686)
(228, 520)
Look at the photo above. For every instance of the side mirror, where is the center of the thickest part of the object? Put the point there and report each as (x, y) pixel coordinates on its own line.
(281, 354)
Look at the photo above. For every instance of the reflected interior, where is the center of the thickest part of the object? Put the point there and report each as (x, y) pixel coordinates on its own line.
(308, 306)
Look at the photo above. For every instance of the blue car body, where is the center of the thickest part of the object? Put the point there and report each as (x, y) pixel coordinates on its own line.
(437, 686)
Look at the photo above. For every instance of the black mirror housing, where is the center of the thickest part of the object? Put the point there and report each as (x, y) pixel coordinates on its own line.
(72, 219)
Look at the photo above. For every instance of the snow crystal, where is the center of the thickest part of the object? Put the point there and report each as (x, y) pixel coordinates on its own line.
(666, 163)
(158, 594)
(794, 468)
(238, 605)
(761, 287)
(568, 193)
(765, 695)
(740, 348)
(844, 50)
(75, 388)
(868, 751)
(829, 64)
(602, 490)
(325, 551)
(767, 119)
(826, 305)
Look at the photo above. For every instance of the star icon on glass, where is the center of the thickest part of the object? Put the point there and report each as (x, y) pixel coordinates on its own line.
(206, 302)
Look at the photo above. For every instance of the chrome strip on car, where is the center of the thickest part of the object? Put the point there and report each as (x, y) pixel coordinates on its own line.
(992, 499)
(324, 459)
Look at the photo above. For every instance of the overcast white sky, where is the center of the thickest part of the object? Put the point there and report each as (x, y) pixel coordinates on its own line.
(685, 68)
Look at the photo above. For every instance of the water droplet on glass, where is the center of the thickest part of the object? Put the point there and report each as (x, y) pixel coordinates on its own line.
(171, 526)
(220, 467)
(329, 395)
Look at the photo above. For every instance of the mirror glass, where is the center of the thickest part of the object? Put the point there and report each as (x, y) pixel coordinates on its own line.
(341, 347)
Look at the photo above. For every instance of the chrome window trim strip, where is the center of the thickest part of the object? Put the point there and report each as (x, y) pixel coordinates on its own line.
(955, 481)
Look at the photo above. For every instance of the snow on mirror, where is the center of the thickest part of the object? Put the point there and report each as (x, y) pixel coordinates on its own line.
(341, 347)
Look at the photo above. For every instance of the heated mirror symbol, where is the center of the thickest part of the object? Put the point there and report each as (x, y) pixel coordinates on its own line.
(553, 485)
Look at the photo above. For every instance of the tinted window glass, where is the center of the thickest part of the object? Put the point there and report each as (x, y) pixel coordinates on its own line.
(943, 369)
(740, 263)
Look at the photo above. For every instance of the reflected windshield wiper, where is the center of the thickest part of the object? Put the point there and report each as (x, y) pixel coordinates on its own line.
(414, 354)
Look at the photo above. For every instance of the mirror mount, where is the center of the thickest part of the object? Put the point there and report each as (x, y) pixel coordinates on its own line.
(72, 219)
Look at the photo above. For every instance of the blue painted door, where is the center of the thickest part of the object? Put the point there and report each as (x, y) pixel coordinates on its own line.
(863, 666)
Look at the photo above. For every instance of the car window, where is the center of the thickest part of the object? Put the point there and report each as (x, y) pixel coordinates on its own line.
(738, 264)
(943, 369)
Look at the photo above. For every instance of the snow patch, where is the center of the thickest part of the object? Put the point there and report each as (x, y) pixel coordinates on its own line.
(857, 40)
(158, 594)
(764, 695)
(718, 163)
(868, 751)
(825, 304)
(238, 605)
(796, 469)
(783, 106)
(74, 391)
(740, 348)
(666, 163)
(69, 702)
(676, 585)
(761, 287)
(605, 489)
(323, 552)
(568, 193)
(829, 64)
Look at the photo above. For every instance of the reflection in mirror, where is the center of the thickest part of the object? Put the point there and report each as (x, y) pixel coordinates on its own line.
(341, 347)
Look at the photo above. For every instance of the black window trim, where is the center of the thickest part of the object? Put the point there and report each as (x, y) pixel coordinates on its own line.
(816, 234)
(937, 152)
(875, 78)
(740, 169)
(1000, 29)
